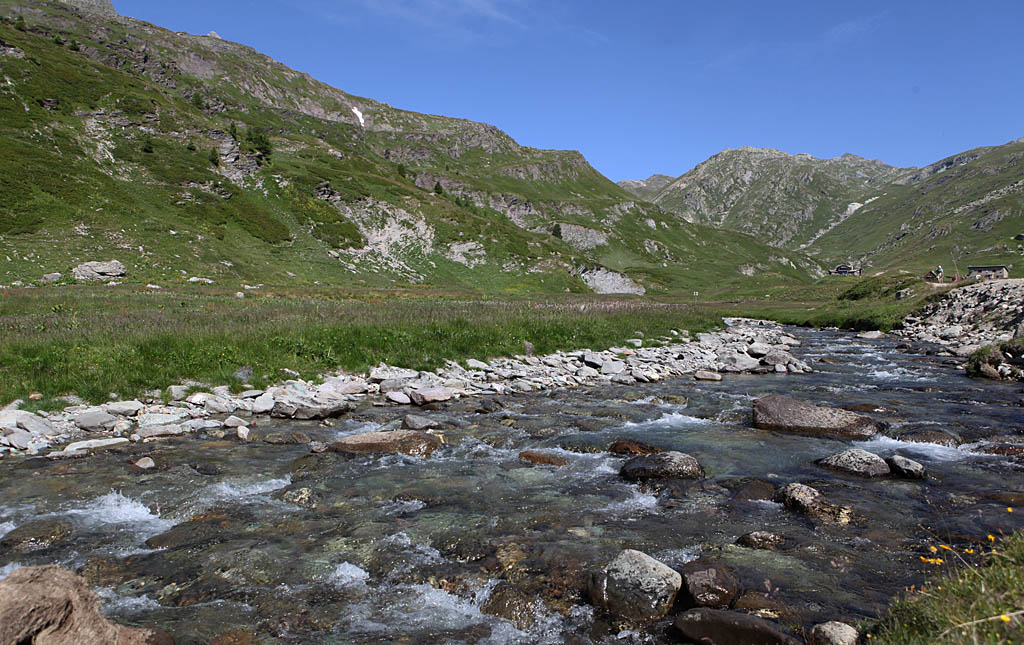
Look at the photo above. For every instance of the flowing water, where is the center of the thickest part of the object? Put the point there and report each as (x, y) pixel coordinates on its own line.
(473, 545)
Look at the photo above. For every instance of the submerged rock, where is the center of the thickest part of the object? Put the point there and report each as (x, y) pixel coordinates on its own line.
(543, 458)
(41, 534)
(719, 627)
(857, 462)
(784, 414)
(662, 465)
(632, 447)
(409, 442)
(708, 584)
(906, 468)
(635, 587)
(810, 501)
(761, 540)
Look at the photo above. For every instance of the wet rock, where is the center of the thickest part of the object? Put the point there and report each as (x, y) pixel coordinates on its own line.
(543, 458)
(263, 403)
(635, 587)
(51, 606)
(784, 414)
(632, 447)
(833, 633)
(704, 375)
(145, 463)
(719, 627)
(1004, 449)
(152, 432)
(409, 442)
(513, 604)
(236, 637)
(41, 534)
(708, 584)
(764, 540)
(242, 433)
(488, 405)
(810, 501)
(731, 360)
(398, 397)
(857, 462)
(95, 444)
(938, 437)
(419, 422)
(429, 395)
(284, 437)
(757, 350)
(754, 490)
(95, 421)
(662, 465)
(313, 466)
(234, 422)
(906, 468)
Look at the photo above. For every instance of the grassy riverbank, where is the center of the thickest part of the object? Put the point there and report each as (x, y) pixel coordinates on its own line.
(980, 602)
(95, 340)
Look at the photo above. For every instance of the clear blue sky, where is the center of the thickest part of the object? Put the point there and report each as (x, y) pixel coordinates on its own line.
(660, 85)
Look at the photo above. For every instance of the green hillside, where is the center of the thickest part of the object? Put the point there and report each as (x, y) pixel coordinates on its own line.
(190, 157)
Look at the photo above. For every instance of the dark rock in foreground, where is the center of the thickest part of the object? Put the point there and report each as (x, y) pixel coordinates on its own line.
(708, 584)
(784, 414)
(719, 627)
(635, 587)
(662, 465)
(52, 606)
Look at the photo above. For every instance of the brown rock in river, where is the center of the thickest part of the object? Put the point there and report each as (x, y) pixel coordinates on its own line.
(409, 442)
(784, 414)
(52, 606)
(543, 458)
(632, 447)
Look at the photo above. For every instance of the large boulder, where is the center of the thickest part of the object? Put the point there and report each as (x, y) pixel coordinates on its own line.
(52, 606)
(635, 587)
(409, 442)
(661, 465)
(719, 627)
(784, 414)
(732, 360)
(857, 462)
(99, 271)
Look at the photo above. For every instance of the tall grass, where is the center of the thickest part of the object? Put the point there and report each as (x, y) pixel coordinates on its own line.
(95, 341)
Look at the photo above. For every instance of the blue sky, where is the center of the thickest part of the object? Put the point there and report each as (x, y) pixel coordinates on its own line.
(660, 85)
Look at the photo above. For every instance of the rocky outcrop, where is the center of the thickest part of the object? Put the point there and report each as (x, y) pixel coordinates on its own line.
(100, 7)
(968, 317)
(635, 587)
(604, 281)
(99, 271)
(784, 414)
(52, 606)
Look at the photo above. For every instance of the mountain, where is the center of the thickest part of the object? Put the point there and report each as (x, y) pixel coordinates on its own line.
(966, 209)
(647, 188)
(781, 198)
(189, 157)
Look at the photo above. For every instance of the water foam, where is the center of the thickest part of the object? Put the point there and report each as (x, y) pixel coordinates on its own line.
(6, 527)
(117, 509)
(114, 603)
(237, 491)
(635, 505)
(347, 574)
(927, 451)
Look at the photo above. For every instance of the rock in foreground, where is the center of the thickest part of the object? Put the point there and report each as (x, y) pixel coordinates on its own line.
(52, 606)
(662, 465)
(635, 587)
(784, 414)
(408, 442)
(718, 627)
(857, 462)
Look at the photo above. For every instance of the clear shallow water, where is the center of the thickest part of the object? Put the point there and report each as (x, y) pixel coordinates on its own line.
(472, 545)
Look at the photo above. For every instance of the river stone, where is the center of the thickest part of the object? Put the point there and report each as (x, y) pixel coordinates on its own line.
(162, 419)
(720, 627)
(339, 387)
(41, 534)
(124, 408)
(145, 463)
(587, 372)
(400, 398)
(833, 633)
(20, 419)
(177, 392)
(857, 462)
(409, 442)
(631, 447)
(590, 359)
(730, 360)
(94, 444)
(306, 409)
(515, 605)
(613, 367)
(708, 584)
(906, 468)
(387, 373)
(757, 350)
(543, 458)
(95, 421)
(168, 430)
(263, 403)
(429, 395)
(662, 465)
(419, 422)
(761, 540)
(52, 606)
(704, 375)
(242, 433)
(234, 422)
(282, 437)
(98, 271)
(784, 414)
(809, 501)
(474, 364)
(635, 587)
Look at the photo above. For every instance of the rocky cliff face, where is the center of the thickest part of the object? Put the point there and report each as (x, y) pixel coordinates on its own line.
(101, 7)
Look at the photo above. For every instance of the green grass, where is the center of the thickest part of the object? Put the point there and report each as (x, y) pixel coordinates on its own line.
(93, 341)
(981, 600)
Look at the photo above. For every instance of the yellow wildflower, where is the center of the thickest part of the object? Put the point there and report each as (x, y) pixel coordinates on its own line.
(1004, 618)
(933, 549)
(943, 546)
(991, 538)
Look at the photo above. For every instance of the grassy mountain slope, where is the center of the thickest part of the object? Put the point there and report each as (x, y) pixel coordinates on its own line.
(966, 209)
(190, 157)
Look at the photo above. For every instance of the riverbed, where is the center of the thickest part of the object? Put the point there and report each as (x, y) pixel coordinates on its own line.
(474, 545)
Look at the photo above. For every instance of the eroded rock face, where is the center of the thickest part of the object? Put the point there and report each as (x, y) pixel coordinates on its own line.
(52, 606)
(784, 414)
(635, 587)
(408, 442)
(662, 465)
